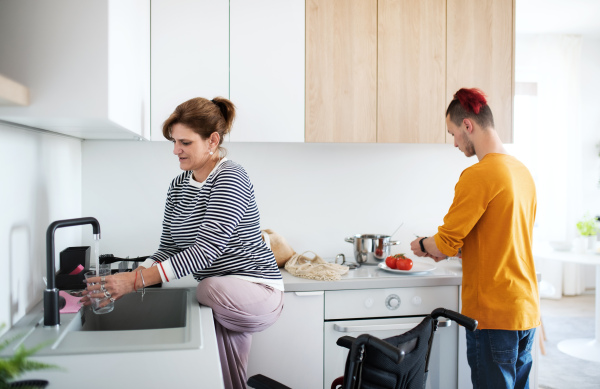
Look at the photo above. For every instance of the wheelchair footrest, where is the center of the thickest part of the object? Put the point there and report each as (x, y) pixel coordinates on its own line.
(260, 381)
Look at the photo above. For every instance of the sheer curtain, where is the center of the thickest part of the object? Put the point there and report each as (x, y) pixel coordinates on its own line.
(548, 139)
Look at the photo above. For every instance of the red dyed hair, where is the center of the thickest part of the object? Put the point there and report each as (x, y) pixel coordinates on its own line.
(471, 99)
(472, 104)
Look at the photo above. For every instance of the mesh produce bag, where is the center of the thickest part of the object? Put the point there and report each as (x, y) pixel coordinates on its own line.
(315, 268)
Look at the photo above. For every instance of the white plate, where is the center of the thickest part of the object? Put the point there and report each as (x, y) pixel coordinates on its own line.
(418, 268)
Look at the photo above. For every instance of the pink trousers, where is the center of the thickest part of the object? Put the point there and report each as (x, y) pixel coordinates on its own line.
(239, 309)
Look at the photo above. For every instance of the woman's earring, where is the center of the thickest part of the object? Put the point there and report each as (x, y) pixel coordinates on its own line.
(210, 153)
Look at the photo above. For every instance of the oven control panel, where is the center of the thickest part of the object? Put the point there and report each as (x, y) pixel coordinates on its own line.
(392, 301)
(364, 303)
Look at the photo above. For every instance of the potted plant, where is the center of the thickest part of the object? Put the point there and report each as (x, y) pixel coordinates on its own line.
(588, 228)
(13, 367)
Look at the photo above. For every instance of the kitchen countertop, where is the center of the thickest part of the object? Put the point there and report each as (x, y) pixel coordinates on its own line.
(187, 366)
(371, 277)
(366, 277)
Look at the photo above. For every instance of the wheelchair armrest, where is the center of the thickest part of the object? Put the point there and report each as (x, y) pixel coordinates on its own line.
(260, 381)
(394, 353)
(345, 341)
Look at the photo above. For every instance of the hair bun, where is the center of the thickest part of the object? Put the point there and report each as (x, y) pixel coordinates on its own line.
(221, 107)
(227, 110)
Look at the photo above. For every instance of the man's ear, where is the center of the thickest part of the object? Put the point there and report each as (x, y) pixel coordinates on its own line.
(468, 125)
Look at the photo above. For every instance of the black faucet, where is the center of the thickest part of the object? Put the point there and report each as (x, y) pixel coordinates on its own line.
(51, 311)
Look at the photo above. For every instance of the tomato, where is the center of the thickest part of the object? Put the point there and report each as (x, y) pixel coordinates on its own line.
(391, 262)
(404, 264)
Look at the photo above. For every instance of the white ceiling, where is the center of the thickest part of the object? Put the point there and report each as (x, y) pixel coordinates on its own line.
(558, 17)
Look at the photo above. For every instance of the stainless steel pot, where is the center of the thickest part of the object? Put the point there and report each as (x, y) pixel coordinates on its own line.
(370, 249)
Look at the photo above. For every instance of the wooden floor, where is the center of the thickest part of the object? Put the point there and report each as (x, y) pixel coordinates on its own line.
(573, 306)
(566, 318)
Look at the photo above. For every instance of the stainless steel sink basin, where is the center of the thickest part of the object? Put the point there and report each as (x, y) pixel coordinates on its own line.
(164, 309)
(166, 319)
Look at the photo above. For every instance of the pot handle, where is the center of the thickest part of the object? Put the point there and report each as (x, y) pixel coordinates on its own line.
(349, 239)
(393, 243)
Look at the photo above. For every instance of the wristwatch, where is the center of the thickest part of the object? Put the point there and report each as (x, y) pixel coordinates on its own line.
(421, 244)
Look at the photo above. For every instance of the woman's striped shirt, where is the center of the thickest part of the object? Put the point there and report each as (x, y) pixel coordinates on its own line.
(213, 229)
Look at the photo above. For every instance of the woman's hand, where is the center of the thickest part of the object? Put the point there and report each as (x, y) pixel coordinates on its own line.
(116, 286)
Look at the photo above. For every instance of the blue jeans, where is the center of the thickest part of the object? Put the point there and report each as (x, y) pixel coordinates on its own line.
(500, 358)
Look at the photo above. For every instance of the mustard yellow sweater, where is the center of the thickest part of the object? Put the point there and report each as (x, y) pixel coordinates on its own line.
(491, 219)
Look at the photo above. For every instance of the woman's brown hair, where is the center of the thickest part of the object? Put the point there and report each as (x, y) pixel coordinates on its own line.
(203, 116)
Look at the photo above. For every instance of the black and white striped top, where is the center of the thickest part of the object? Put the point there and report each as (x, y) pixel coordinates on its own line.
(213, 229)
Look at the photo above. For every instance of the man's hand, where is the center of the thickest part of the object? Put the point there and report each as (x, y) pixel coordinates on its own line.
(430, 251)
(416, 247)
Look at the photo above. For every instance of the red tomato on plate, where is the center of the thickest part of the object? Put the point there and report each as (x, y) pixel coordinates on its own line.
(399, 262)
(391, 262)
(404, 264)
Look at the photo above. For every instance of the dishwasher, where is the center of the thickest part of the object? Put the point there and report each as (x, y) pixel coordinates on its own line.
(387, 312)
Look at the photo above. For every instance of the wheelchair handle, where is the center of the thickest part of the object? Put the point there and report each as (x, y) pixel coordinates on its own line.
(393, 353)
(465, 321)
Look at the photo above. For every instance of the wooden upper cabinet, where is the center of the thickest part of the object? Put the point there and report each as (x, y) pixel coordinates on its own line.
(341, 71)
(481, 36)
(411, 71)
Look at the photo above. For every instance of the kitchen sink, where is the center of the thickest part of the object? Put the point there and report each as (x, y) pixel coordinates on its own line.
(166, 319)
(165, 309)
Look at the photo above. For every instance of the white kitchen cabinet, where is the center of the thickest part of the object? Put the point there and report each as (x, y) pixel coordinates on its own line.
(267, 70)
(291, 350)
(190, 54)
(86, 64)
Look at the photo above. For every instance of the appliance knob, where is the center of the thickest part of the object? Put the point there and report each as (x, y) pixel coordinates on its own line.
(392, 301)
(369, 302)
(416, 300)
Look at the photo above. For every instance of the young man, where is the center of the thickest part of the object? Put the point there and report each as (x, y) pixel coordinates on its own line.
(491, 222)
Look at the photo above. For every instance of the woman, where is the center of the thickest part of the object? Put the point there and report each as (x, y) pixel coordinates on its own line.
(211, 229)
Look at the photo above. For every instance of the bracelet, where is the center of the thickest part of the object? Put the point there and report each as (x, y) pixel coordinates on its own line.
(134, 282)
(143, 285)
(421, 244)
(163, 270)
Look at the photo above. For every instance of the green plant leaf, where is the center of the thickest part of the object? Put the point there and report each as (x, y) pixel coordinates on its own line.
(587, 226)
(19, 363)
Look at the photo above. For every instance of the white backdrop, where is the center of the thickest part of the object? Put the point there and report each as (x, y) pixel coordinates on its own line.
(557, 133)
(41, 182)
(312, 194)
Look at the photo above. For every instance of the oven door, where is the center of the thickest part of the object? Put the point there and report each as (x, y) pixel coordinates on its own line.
(443, 366)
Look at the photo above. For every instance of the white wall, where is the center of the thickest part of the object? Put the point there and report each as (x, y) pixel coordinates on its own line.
(564, 148)
(590, 122)
(312, 194)
(41, 182)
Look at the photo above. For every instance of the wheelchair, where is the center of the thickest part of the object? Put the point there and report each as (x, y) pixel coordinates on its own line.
(399, 362)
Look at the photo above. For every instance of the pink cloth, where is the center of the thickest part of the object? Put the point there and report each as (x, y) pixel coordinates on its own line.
(240, 308)
(72, 305)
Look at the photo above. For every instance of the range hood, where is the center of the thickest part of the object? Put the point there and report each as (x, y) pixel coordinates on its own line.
(13, 93)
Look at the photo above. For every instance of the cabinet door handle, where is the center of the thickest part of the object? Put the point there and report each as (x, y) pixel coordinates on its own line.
(385, 327)
(315, 293)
